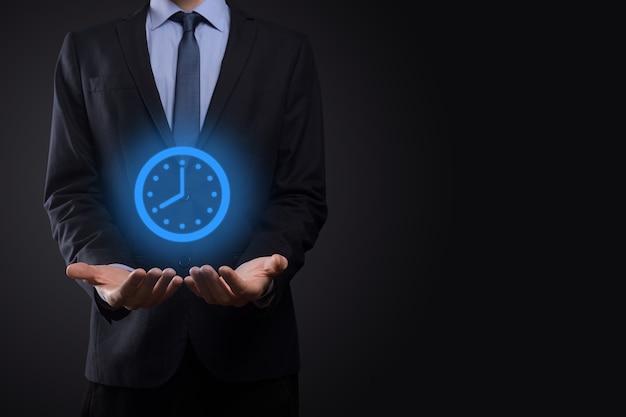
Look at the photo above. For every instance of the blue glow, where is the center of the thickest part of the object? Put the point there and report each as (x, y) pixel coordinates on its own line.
(180, 192)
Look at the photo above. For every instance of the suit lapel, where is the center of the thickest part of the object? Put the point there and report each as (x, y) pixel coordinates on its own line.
(132, 36)
(243, 31)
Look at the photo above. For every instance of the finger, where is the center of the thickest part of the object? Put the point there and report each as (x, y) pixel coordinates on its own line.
(211, 286)
(163, 282)
(164, 288)
(190, 281)
(240, 293)
(156, 288)
(238, 286)
(191, 284)
(221, 291)
(130, 284)
(210, 283)
(142, 297)
(173, 286)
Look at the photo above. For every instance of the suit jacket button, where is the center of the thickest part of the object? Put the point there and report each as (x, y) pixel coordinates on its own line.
(184, 262)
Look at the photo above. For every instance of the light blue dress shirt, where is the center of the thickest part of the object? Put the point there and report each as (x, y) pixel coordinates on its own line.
(163, 37)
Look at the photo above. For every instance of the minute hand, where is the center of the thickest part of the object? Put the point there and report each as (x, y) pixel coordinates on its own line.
(181, 191)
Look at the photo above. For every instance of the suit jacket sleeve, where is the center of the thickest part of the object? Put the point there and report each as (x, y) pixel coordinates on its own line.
(297, 209)
(73, 198)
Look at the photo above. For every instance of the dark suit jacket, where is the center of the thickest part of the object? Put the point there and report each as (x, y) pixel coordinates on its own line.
(264, 125)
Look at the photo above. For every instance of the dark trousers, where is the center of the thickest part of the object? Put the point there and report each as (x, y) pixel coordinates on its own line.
(193, 392)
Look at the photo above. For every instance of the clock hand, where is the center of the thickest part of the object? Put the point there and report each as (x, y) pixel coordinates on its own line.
(182, 181)
(181, 192)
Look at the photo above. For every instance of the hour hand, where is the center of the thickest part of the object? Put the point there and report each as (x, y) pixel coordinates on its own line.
(179, 195)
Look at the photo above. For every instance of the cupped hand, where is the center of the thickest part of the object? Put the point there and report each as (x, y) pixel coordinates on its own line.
(235, 287)
(130, 289)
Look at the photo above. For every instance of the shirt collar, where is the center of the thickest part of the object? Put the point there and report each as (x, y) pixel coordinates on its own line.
(215, 11)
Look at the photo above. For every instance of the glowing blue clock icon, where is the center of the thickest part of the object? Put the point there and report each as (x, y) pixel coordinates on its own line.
(182, 194)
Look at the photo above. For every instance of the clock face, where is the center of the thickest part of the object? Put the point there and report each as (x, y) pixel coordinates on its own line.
(182, 194)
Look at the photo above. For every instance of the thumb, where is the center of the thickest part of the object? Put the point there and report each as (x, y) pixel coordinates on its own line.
(276, 264)
(79, 270)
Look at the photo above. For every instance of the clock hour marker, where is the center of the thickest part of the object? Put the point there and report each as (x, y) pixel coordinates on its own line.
(209, 210)
(198, 221)
(154, 209)
(155, 178)
(209, 178)
(214, 194)
(166, 166)
(166, 221)
(150, 194)
(198, 166)
(181, 226)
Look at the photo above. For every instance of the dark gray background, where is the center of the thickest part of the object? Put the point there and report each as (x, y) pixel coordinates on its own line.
(386, 323)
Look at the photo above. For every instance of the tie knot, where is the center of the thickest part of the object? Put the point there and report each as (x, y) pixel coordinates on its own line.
(188, 20)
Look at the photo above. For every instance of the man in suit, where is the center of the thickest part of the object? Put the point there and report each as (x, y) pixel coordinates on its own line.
(206, 326)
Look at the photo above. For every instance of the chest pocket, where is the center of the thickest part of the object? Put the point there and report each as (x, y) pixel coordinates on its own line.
(115, 83)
